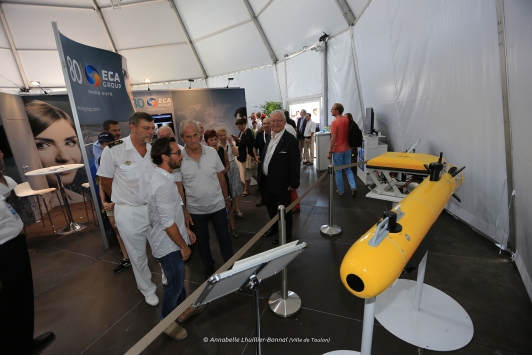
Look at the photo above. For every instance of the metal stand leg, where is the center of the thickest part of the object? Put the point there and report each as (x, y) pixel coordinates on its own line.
(284, 303)
(419, 282)
(85, 203)
(367, 327)
(49, 216)
(40, 210)
(255, 287)
(330, 230)
(72, 227)
(60, 205)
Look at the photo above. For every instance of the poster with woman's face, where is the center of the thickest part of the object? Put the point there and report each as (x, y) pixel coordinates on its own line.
(56, 140)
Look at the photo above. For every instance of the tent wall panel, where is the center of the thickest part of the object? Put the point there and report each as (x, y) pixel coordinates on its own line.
(519, 56)
(82, 25)
(431, 71)
(9, 70)
(4, 42)
(342, 82)
(357, 6)
(281, 80)
(304, 75)
(203, 17)
(175, 62)
(291, 25)
(128, 26)
(260, 85)
(34, 61)
(224, 52)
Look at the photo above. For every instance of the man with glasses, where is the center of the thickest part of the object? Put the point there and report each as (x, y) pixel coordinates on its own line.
(207, 196)
(339, 149)
(125, 172)
(170, 238)
(280, 166)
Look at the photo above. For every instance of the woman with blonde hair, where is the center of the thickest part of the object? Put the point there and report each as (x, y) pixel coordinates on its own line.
(233, 174)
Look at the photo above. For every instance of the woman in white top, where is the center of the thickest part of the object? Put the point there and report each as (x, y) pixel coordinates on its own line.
(234, 173)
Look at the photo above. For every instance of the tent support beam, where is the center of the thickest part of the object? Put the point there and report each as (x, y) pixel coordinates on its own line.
(189, 41)
(13, 48)
(261, 32)
(100, 15)
(499, 4)
(346, 12)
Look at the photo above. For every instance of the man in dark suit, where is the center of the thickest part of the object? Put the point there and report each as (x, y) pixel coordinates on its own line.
(280, 170)
(262, 139)
(301, 124)
(290, 121)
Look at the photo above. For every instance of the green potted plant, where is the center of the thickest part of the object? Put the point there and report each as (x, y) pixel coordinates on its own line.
(270, 106)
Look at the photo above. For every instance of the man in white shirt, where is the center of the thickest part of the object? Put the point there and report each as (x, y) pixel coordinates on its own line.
(170, 238)
(308, 136)
(16, 282)
(207, 196)
(125, 172)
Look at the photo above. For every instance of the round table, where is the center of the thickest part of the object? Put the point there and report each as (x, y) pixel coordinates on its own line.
(72, 226)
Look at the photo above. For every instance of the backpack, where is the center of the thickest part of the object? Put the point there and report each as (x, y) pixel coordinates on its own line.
(354, 135)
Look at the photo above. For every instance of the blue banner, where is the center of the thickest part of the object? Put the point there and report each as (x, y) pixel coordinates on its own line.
(99, 82)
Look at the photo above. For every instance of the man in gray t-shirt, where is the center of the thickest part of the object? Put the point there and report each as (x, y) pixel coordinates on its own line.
(207, 197)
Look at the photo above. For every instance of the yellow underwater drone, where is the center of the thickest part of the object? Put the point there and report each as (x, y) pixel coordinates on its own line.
(376, 260)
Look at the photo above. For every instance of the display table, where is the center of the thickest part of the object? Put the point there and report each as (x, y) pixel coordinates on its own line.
(72, 226)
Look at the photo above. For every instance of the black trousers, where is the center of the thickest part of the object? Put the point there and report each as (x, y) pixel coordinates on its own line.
(16, 297)
(273, 201)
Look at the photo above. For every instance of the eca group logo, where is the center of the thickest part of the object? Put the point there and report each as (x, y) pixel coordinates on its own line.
(89, 75)
(152, 102)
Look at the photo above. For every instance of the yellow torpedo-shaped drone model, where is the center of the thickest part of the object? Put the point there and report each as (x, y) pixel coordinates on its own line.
(378, 258)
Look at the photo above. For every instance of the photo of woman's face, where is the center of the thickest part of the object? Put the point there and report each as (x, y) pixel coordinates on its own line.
(58, 145)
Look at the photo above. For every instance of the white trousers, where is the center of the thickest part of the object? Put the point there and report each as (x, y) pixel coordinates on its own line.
(133, 225)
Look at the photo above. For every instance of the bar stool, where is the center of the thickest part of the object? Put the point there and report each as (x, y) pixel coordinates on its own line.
(86, 191)
(25, 190)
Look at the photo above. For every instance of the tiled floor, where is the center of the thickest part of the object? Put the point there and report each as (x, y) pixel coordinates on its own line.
(93, 311)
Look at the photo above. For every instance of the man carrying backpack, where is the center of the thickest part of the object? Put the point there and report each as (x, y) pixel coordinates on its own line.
(339, 150)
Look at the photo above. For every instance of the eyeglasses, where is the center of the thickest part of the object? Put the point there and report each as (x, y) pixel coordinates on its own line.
(277, 121)
(178, 152)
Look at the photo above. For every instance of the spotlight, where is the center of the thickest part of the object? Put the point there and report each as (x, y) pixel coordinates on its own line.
(36, 83)
(147, 80)
(190, 81)
(228, 82)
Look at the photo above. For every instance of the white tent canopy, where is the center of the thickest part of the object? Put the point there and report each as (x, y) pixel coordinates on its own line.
(455, 73)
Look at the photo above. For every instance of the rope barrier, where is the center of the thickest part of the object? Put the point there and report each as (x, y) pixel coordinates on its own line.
(143, 343)
(342, 167)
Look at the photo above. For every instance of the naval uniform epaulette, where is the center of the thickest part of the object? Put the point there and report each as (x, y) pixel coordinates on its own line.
(115, 143)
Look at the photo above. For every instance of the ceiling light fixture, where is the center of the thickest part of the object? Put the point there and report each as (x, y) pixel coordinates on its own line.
(37, 83)
(190, 81)
(147, 80)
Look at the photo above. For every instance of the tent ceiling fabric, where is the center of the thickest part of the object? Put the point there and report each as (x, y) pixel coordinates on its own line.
(148, 34)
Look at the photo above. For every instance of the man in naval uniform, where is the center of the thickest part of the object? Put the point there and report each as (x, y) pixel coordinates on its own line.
(125, 172)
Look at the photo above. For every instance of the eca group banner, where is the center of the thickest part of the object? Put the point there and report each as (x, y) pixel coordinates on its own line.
(153, 102)
(99, 83)
(98, 90)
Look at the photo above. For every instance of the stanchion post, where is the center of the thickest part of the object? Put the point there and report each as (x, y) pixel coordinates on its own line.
(367, 326)
(284, 303)
(330, 229)
(419, 282)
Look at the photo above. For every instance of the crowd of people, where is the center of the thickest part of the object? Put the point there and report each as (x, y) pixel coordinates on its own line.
(160, 192)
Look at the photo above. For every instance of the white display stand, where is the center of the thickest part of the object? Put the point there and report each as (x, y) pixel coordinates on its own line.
(371, 148)
(323, 142)
(434, 322)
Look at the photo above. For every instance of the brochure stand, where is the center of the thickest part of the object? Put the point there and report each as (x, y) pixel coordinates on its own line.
(250, 272)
